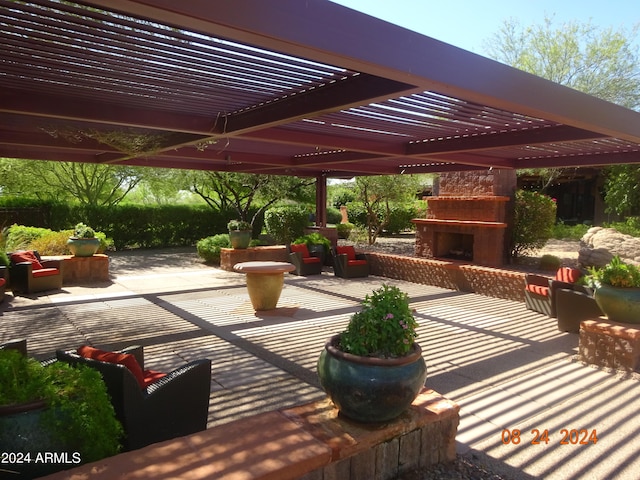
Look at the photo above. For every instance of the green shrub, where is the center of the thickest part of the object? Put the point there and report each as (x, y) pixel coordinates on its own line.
(550, 263)
(20, 237)
(399, 218)
(534, 217)
(344, 230)
(209, 248)
(333, 215)
(54, 243)
(631, 226)
(569, 232)
(284, 223)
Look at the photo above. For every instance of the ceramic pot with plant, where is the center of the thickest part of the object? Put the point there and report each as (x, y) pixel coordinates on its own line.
(53, 408)
(617, 290)
(239, 233)
(374, 369)
(83, 242)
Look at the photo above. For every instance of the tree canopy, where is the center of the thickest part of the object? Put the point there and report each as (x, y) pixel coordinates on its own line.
(603, 62)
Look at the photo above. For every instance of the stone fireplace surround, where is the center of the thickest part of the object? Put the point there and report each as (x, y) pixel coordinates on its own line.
(468, 219)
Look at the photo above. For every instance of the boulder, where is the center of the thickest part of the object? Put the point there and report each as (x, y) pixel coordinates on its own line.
(599, 245)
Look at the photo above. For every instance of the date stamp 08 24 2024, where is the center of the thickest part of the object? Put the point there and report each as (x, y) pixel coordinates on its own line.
(538, 437)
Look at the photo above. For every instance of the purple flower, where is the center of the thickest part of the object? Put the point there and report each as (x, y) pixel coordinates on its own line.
(389, 316)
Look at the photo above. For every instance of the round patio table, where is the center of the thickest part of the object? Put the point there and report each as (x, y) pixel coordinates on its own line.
(264, 282)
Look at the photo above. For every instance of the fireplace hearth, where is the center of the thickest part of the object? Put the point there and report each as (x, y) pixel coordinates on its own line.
(467, 227)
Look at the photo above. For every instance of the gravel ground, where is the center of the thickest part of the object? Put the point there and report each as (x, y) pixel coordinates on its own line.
(463, 468)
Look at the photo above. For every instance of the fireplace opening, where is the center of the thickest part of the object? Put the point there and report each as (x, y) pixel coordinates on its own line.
(455, 246)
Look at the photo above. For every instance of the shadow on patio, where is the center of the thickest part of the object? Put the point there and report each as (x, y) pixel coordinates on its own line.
(508, 368)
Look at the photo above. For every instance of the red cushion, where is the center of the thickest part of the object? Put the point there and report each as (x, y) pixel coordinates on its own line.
(45, 272)
(302, 248)
(570, 275)
(353, 263)
(538, 290)
(126, 359)
(151, 376)
(349, 250)
(310, 260)
(2, 282)
(26, 256)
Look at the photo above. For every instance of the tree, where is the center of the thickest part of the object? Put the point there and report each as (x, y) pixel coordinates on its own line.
(90, 184)
(622, 189)
(602, 62)
(378, 193)
(245, 191)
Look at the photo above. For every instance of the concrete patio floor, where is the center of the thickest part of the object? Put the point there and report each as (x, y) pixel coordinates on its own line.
(507, 367)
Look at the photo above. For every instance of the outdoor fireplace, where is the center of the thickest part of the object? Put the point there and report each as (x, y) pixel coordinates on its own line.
(468, 219)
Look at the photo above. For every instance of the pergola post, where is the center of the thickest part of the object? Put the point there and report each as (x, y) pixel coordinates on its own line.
(321, 200)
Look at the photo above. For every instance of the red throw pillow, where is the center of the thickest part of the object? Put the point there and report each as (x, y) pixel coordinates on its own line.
(26, 256)
(349, 250)
(302, 248)
(569, 275)
(126, 359)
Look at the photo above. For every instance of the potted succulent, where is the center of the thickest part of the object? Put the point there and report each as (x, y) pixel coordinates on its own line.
(617, 290)
(239, 233)
(374, 369)
(83, 242)
(317, 244)
(53, 408)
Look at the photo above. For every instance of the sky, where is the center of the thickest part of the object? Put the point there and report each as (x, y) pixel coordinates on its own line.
(469, 23)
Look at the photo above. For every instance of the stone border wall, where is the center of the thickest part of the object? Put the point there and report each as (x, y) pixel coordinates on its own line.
(492, 282)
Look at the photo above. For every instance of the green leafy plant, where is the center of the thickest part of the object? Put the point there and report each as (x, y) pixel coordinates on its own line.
(534, 217)
(79, 413)
(384, 327)
(238, 225)
(314, 238)
(287, 222)
(344, 230)
(616, 273)
(209, 248)
(83, 231)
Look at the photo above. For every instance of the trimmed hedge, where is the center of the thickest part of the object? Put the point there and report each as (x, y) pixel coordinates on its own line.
(127, 225)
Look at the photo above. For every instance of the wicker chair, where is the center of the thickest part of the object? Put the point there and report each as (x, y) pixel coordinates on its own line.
(539, 292)
(172, 406)
(575, 305)
(305, 263)
(349, 264)
(30, 274)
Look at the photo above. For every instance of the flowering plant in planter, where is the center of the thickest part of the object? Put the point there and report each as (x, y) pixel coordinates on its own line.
(384, 327)
(374, 369)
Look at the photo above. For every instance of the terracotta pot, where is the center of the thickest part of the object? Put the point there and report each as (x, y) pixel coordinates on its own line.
(619, 304)
(368, 389)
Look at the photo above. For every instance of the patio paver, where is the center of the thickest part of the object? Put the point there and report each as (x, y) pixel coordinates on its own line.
(508, 368)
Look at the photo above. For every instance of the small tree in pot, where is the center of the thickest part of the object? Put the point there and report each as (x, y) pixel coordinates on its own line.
(374, 369)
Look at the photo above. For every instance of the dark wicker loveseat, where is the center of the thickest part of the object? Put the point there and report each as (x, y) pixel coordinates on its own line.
(172, 406)
(30, 273)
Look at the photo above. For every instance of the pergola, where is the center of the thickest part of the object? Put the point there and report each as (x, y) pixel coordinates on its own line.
(288, 87)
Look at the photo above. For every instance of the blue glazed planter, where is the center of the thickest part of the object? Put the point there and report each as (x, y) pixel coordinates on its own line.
(369, 389)
(83, 247)
(619, 304)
